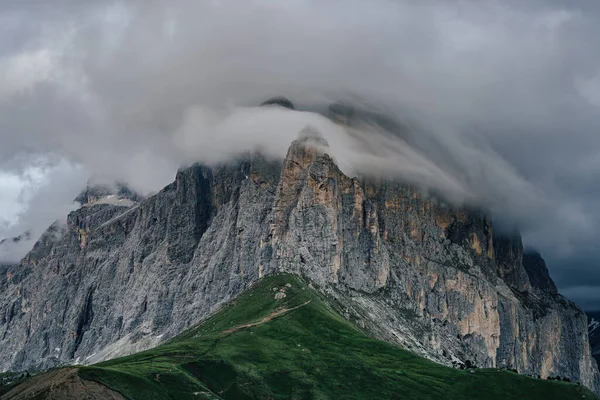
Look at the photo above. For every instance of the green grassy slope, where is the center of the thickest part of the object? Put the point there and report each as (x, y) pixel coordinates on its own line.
(307, 352)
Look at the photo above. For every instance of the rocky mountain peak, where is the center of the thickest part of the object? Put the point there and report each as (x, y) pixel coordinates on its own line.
(113, 193)
(400, 264)
(306, 149)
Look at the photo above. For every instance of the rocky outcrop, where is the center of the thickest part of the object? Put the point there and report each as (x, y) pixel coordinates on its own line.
(403, 265)
(537, 272)
(509, 261)
(94, 193)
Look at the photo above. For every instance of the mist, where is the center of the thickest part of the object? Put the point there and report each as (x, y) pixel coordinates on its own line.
(497, 100)
(45, 191)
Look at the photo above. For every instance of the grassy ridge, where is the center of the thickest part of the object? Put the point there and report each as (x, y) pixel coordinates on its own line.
(255, 349)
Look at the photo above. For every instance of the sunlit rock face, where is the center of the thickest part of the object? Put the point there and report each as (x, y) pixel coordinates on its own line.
(404, 266)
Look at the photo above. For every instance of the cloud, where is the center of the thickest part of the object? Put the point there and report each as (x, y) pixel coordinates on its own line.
(497, 101)
(40, 194)
(10, 187)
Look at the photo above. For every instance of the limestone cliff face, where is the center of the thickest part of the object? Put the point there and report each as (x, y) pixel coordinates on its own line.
(404, 266)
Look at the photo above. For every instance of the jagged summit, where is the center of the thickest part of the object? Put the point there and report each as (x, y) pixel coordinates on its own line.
(537, 271)
(115, 193)
(433, 279)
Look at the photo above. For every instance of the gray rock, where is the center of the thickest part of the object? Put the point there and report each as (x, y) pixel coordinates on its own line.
(95, 192)
(537, 271)
(402, 265)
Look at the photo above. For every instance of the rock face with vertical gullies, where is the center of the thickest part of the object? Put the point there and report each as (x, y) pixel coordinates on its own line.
(403, 266)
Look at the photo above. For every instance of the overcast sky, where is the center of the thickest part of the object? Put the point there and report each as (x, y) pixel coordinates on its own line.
(503, 96)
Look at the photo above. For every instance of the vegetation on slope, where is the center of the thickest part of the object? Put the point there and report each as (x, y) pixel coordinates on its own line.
(9, 380)
(267, 346)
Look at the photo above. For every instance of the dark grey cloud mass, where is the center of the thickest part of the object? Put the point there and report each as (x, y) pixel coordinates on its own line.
(500, 100)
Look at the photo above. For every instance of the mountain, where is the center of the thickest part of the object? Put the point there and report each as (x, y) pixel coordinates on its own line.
(12, 249)
(404, 266)
(278, 340)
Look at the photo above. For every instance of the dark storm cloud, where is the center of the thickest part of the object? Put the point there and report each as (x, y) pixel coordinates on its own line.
(503, 97)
